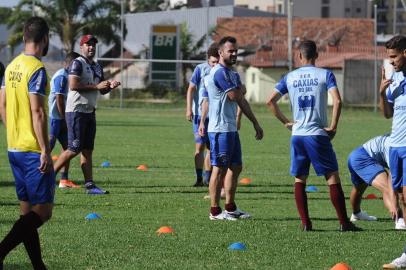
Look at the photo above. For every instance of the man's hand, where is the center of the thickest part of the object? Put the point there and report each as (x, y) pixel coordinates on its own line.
(114, 84)
(202, 130)
(189, 115)
(289, 125)
(46, 165)
(104, 85)
(330, 132)
(259, 132)
(384, 83)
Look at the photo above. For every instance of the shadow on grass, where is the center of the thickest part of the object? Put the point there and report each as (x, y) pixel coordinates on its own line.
(22, 266)
(7, 183)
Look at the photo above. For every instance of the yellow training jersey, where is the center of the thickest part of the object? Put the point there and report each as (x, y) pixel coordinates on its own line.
(20, 132)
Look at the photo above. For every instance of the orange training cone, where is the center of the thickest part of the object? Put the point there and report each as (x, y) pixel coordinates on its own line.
(371, 197)
(164, 230)
(341, 266)
(245, 181)
(55, 158)
(142, 167)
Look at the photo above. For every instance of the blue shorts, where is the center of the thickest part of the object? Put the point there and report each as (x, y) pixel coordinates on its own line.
(199, 139)
(58, 131)
(225, 149)
(81, 130)
(312, 149)
(363, 168)
(31, 185)
(397, 165)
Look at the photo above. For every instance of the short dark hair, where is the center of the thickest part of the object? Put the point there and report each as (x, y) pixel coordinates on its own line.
(397, 42)
(226, 39)
(35, 29)
(213, 50)
(308, 49)
(70, 57)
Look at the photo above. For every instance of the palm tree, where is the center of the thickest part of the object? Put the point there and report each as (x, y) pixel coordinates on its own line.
(69, 19)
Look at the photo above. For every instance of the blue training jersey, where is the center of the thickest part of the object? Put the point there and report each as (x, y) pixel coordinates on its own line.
(222, 110)
(396, 95)
(201, 71)
(307, 87)
(59, 86)
(378, 149)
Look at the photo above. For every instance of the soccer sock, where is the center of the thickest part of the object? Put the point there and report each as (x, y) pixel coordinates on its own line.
(301, 203)
(215, 211)
(199, 174)
(64, 175)
(338, 200)
(33, 247)
(22, 230)
(89, 183)
(230, 207)
(207, 175)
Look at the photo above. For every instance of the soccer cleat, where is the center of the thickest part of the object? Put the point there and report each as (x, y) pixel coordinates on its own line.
(92, 189)
(400, 224)
(238, 214)
(65, 183)
(349, 227)
(398, 263)
(222, 216)
(362, 216)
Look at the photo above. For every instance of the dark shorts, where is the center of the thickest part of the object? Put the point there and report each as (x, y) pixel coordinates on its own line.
(225, 149)
(31, 185)
(81, 130)
(316, 150)
(199, 139)
(58, 131)
(397, 165)
(363, 168)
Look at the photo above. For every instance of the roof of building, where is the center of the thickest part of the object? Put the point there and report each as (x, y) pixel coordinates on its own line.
(337, 39)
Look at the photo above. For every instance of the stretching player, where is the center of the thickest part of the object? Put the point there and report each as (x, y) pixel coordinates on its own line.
(367, 166)
(193, 113)
(310, 143)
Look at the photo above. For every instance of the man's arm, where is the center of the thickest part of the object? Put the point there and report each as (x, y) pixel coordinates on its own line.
(40, 125)
(337, 104)
(273, 105)
(60, 104)
(75, 85)
(239, 111)
(205, 110)
(3, 106)
(237, 96)
(385, 106)
(189, 101)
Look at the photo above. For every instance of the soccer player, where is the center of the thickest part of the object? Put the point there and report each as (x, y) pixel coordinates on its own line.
(225, 94)
(29, 153)
(57, 103)
(392, 103)
(398, 263)
(86, 81)
(193, 113)
(310, 143)
(367, 165)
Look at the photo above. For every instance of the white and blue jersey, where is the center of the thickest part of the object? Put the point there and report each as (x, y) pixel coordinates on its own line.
(59, 86)
(369, 160)
(307, 87)
(397, 96)
(222, 110)
(197, 79)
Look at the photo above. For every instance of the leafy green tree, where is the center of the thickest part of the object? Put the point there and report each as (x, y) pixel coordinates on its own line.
(148, 5)
(70, 19)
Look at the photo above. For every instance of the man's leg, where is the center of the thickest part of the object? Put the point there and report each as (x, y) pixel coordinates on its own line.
(356, 197)
(65, 157)
(199, 160)
(215, 185)
(230, 187)
(382, 183)
(207, 167)
(301, 202)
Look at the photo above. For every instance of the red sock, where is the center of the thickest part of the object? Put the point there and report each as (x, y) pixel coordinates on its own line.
(215, 211)
(338, 200)
(301, 203)
(230, 207)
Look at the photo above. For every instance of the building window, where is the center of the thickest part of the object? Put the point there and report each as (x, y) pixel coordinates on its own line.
(279, 8)
(253, 78)
(325, 12)
(358, 10)
(347, 10)
(325, 2)
(242, 6)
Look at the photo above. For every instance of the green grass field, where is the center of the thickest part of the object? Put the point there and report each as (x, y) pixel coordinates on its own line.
(141, 202)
